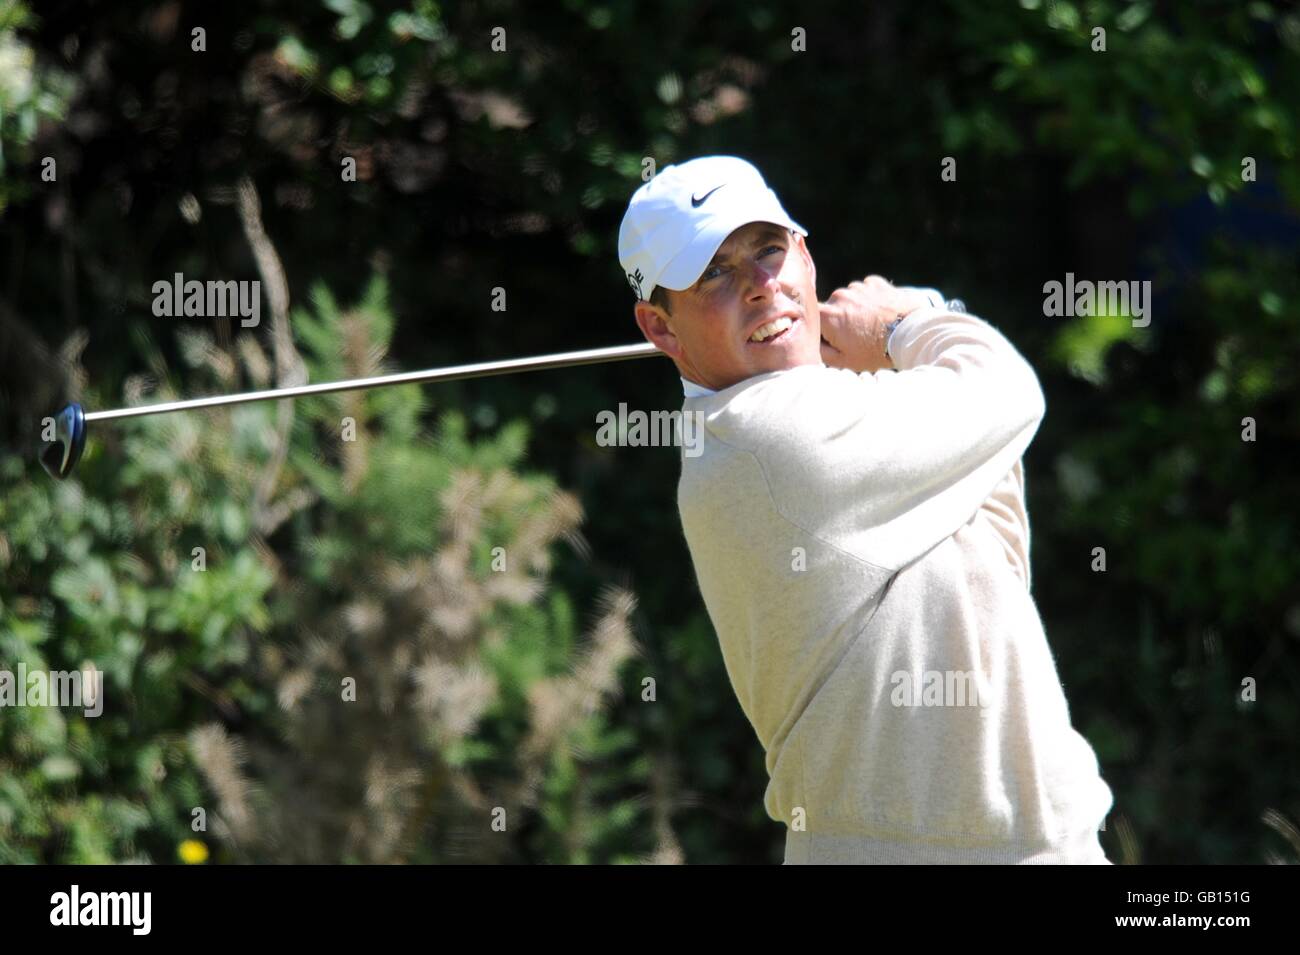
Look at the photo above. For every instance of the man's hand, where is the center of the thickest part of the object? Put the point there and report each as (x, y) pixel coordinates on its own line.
(853, 322)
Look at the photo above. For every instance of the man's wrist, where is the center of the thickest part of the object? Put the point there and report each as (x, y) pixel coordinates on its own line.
(889, 333)
(951, 305)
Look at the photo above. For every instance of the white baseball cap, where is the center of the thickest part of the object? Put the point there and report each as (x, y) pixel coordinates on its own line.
(677, 221)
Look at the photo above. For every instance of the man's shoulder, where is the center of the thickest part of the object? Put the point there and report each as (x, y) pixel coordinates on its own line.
(779, 406)
(783, 416)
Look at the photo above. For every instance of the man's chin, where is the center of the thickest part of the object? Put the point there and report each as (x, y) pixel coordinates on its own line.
(781, 356)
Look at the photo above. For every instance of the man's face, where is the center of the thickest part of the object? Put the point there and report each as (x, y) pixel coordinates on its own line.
(762, 272)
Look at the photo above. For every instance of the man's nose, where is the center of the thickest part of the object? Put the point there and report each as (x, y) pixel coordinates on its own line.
(762, 282)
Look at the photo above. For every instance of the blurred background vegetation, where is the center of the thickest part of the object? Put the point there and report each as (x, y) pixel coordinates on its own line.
(479, 168)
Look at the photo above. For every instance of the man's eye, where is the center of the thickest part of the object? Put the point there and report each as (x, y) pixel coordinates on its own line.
(707, 276)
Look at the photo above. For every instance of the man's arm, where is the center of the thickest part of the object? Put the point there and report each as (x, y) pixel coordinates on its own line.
(887, 464)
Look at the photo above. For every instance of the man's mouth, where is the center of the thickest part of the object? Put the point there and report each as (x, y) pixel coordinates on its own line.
(773, 331)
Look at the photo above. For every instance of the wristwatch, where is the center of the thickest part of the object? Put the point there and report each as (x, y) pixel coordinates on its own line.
(889, 331)
(952, 304)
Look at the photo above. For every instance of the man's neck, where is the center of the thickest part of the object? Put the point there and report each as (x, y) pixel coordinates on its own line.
(695, 390)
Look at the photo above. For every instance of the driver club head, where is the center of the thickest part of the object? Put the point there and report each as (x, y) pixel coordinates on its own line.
(61, 455)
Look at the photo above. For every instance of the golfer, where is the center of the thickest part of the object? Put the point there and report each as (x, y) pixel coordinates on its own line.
(856, 520)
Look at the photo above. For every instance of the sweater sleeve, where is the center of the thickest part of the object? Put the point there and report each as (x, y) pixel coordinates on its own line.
(888, 464)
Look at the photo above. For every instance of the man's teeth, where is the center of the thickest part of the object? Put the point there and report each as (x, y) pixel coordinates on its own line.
(774, 327)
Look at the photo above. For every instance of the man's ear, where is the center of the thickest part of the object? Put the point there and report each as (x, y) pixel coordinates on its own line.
(653, 322)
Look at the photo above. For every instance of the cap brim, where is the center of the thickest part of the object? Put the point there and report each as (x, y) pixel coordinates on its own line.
(689, 264)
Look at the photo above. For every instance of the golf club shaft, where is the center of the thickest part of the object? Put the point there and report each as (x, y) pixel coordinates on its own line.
(480, 370)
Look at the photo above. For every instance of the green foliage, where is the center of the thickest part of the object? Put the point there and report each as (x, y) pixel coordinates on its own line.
(469, 695)
(30, 94)
(1166, 94)
(478, 169)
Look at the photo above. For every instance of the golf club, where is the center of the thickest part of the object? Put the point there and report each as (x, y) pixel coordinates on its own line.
(60, 456)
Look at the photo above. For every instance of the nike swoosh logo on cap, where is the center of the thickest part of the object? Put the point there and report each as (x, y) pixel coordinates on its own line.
(696, 203)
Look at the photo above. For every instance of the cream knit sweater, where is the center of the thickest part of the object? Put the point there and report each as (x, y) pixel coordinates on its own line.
(862, 548)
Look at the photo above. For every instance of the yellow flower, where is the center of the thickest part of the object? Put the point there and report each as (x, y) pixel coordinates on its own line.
(192, 852)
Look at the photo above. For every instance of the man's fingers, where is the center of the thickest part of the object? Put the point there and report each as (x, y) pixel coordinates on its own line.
(830, 313)
(832, 356)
